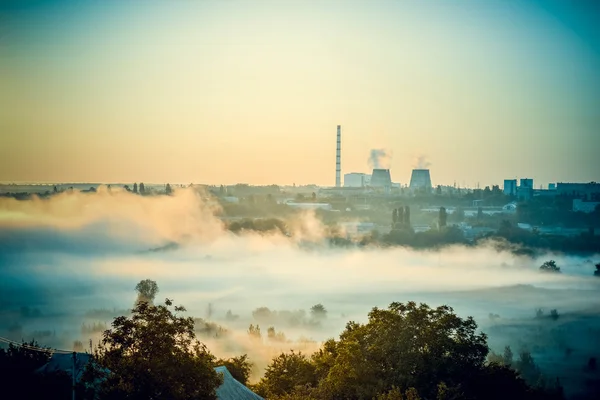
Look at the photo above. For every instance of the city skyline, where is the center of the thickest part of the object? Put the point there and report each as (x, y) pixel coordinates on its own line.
(240, 92)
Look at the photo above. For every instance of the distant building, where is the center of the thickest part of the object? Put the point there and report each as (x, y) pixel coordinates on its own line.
(420, 179)
(525, 189)
(510, 187)
(587, 207)
(526, 183)
(357, 228)
(309, 206)
(585, 191)
(356, 179)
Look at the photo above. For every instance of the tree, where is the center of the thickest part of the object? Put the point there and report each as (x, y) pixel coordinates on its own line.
(147, 290)
(168, 189)
(239, 367)
(318, 311)
(254, 331)
(407, 216)
(286, 373)
(18, 365)
(142, 188)
(394, 217)
(55, 189)
(314, 197)
(597, 271)
(550, 266)
(274, 335)
(152, 354)
(400, 216)
(135, 188)
(479, 213)
(438, 190)
(407, 345)
(443, 216)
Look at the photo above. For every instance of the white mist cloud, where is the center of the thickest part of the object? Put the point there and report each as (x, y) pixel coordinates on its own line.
(247, 271)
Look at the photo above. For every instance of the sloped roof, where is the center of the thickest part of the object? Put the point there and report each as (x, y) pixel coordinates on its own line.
(230, 389)
(64, 362)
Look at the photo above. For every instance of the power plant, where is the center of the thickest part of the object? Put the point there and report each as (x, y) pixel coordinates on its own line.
(420, 178)
(380, 178)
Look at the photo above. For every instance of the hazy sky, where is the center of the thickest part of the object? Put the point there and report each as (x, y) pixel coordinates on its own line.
(252, 91)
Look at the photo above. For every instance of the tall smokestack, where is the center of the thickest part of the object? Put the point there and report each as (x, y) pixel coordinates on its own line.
(338, 157)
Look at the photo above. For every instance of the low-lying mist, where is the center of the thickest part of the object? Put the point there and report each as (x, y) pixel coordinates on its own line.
(70, 263)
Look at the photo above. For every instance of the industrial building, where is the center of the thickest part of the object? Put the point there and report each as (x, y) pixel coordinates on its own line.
(510, 187)
(585, 191)
(357, 180)
(420, 179)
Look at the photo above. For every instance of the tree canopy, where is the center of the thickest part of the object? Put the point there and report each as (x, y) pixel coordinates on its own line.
(152, 355)
(406, 351)
(147, 290)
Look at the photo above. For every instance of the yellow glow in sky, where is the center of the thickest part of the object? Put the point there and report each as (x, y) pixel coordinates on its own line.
(228, 92)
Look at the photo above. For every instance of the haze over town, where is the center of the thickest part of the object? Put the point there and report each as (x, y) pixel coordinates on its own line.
(361, 200)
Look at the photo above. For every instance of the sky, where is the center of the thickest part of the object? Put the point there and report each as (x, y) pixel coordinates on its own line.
(223, 92)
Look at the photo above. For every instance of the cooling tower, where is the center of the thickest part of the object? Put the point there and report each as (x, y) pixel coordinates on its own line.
(381, 179)
(420, 178)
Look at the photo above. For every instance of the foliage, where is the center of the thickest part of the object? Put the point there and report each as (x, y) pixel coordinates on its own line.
(549, 266)
(239, 367)
(262, 225)
(318, 311)
(443, 217)
(147, 290)
(152, 354)
(275, 336)
(18, 376)
(407, 351)
(254, 331)
(286, 373)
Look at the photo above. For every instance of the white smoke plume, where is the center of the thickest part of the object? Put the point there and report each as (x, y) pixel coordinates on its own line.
(421, 162)
(380, 158)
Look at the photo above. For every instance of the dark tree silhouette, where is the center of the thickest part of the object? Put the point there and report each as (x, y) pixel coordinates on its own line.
(147, 290)
(154, 354)
(442, 218)
(135, 188)
(550, 266)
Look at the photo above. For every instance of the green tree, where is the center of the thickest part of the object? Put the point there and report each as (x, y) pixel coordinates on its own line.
(286, 373)
(142, 188)
(135, 188)
(147, 290)
(550, 266)
(239, 367)
(438, 190)
(318, 312)
(168, 189)
(407, 216)
(407, 345)
(443, 217)
(153, 354)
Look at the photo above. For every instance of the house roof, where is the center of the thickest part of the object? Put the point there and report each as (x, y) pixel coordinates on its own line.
(230, 389)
